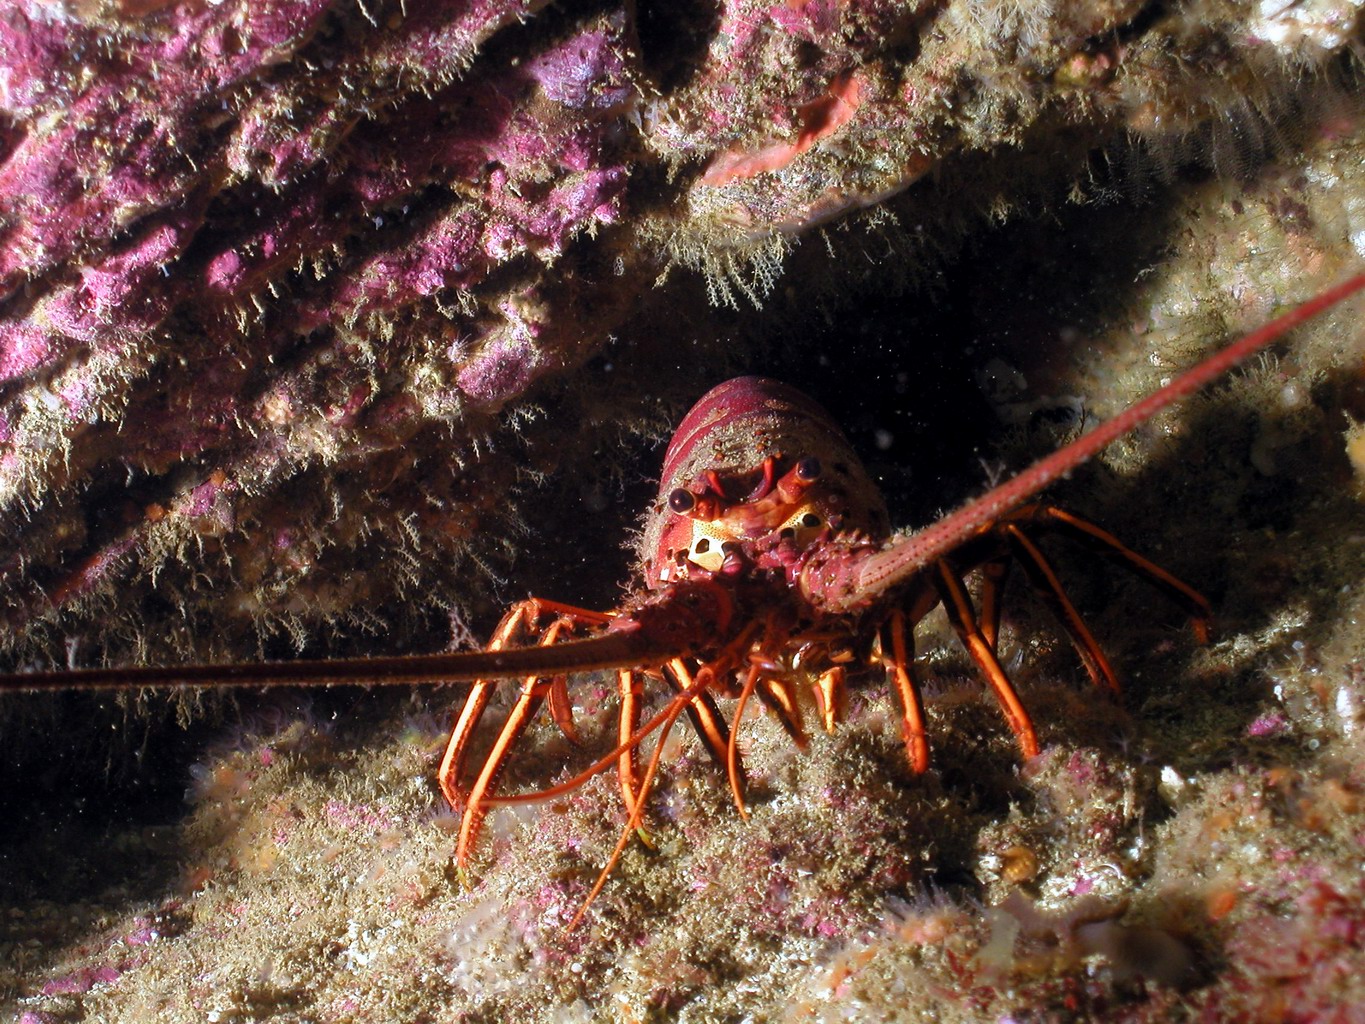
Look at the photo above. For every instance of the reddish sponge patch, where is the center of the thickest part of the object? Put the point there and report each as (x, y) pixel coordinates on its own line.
(819, 119)
(503, 369)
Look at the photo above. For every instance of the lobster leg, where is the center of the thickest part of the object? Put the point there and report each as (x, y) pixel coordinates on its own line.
(907, 688)
(962, 617)
(631, 690)
(635, 816)
(1049, 588)
(994, 575)
(522, 616)
(1176, 590)
(457, 747)
(899, 637)
(831, 691)
(528, 703)
(561, 708)
(779, 697)
(732, 769)
(702, 710)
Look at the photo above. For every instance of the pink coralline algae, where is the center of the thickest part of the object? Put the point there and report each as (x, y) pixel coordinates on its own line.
(277, 276)
(81, 982)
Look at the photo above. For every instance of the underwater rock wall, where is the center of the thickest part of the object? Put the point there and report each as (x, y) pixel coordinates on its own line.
(301, 299)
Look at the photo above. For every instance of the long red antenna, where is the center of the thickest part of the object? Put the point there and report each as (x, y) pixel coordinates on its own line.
(917, 552)
(616, 649)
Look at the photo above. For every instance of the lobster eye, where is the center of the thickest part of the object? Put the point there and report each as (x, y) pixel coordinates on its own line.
(808, 469)
(682, 501)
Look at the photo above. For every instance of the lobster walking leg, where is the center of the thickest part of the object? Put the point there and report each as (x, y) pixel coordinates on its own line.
(831, 693)
(779, 697)
(994, 575)
(732, 769)
(962, 617)
(523, 616)
(634, 817)
(1049, 588)
(1179, 592)
(630, 688)
(457, 747)
(907, 688)
(528, 703)
(702, 710)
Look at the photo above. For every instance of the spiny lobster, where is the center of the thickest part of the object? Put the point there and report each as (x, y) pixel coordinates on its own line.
(767, 558)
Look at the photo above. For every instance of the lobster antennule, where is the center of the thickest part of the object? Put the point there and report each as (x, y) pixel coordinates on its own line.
(870, 574)
(617, 648)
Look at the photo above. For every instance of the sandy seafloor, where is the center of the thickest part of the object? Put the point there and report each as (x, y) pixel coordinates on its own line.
(1195, 853)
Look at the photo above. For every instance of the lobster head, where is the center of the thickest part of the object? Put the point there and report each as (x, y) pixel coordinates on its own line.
(755, 474)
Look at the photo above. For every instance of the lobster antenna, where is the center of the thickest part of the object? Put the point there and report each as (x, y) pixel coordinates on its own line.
(616, 649)
(917, 552)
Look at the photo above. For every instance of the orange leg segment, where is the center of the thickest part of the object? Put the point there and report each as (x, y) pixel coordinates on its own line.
(732, 769)
(779, 696)
(1049, 588)
(631, 691)
(533, 694)
(561, 708)
(457, 747)
(907, 688)
(831, 693)
(523, 617)
(702, 710)
(682, 700)
(962, 617)
(1175, 589)
(994, 576)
